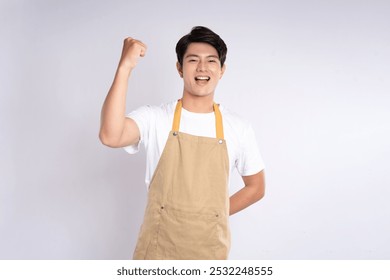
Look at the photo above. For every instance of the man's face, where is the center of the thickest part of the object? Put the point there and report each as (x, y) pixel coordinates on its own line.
(201, 69)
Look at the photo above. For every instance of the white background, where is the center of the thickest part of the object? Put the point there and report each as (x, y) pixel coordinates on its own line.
(312, 76)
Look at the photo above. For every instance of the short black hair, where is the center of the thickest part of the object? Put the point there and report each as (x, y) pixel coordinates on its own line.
(201, 34)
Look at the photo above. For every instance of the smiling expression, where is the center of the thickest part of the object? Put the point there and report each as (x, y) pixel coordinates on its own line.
(201, 70)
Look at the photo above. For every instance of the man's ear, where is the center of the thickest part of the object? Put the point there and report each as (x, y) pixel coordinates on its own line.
(179, 69)
(222, 71)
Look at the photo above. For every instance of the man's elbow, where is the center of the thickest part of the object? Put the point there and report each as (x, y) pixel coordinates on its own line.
(108, 141)
(260, 193)
(260, 190)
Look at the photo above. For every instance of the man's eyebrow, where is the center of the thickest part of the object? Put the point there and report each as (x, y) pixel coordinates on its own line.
(195, 55)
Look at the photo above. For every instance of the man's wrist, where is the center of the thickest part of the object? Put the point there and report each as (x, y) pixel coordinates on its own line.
(124, 70)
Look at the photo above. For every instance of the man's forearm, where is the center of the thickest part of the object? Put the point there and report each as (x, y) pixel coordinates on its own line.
(114, 108)
(244, 198)
(252, 192)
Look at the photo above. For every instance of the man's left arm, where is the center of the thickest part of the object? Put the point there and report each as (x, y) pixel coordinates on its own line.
(252, 192)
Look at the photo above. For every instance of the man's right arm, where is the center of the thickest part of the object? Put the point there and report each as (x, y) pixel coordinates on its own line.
(115, 129)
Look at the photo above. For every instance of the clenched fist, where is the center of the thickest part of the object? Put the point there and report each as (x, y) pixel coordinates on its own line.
(131, 52)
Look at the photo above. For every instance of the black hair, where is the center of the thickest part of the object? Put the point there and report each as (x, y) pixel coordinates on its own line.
(201, 34)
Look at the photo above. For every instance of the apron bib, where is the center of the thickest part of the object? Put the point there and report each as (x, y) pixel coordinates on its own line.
(187, 212)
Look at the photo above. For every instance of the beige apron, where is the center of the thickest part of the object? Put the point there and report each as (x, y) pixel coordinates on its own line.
(187, 213)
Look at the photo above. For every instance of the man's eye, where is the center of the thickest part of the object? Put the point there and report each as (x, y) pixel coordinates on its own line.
(192, 60)
(212, 60)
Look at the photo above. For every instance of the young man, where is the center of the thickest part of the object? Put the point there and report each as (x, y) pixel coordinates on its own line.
(192, 145)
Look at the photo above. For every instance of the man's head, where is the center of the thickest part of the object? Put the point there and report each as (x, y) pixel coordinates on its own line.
(201, 56)
(200, 34)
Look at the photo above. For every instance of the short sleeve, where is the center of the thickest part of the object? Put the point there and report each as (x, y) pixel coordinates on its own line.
(249, 161)
(142, 117)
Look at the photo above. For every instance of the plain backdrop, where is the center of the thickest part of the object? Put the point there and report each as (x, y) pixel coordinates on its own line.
(311, 76)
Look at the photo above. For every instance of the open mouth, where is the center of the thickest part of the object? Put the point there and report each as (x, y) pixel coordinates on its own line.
(202, 78)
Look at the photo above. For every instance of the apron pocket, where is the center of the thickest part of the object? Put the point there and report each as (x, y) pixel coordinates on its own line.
(192, 235)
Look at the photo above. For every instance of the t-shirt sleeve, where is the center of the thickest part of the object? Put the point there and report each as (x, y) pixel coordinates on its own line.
(142, 117)
(249, 161)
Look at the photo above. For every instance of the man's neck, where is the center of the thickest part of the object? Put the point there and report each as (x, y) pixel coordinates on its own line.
(198, 104)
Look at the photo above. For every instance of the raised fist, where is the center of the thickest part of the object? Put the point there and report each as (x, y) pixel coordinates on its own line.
(131, 52)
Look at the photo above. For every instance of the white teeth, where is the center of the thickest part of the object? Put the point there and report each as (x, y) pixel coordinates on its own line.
(202, 78)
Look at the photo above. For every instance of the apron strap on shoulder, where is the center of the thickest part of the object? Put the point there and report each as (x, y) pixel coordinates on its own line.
(218, 122)
(176, 117)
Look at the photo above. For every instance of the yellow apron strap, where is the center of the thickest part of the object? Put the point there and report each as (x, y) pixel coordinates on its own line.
(176, 117)
(218, 122)
(218, 119)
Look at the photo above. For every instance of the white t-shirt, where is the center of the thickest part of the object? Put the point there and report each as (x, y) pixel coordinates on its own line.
(155, 123)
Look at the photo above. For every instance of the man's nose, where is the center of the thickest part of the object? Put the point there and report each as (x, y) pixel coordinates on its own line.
(201, 66)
